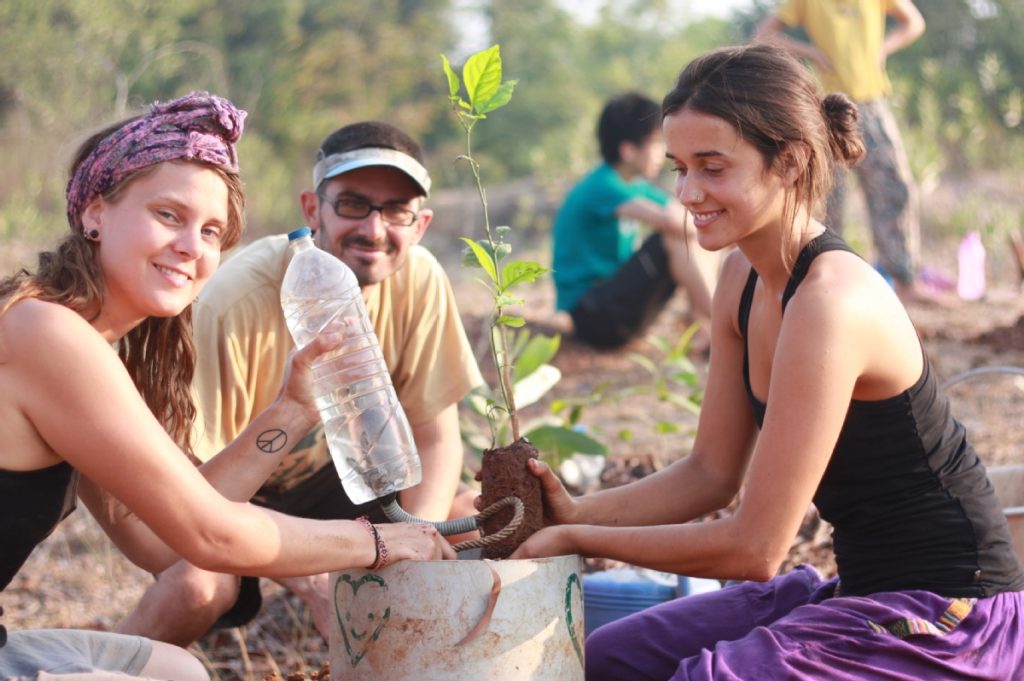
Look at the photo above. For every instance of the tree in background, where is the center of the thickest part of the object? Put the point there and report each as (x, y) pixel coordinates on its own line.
(302, 67)
(963, 85)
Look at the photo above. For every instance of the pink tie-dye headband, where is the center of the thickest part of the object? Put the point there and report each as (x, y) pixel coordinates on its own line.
(196, 127)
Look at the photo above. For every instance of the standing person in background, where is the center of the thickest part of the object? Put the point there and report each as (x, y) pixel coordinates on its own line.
(818, 391)
(612, 290)
(366, 207)
(849, 48)
(96, 362)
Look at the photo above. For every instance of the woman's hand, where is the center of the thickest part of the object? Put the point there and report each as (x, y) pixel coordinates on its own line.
(550, 541)
(414, 541)
(559, 507)
(297, 384)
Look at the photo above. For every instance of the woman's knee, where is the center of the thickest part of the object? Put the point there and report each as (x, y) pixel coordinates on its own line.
(604, 645)
(207, 591)
(171, 662)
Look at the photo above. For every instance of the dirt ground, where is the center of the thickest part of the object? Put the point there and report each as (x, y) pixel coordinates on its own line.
(77, 579)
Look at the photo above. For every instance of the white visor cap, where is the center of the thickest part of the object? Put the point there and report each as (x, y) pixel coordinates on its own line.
(336, 164)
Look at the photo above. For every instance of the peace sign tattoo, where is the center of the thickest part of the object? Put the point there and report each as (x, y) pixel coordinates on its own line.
(271, 441)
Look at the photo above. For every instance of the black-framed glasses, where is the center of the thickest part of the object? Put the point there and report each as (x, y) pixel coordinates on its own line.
(353, 208)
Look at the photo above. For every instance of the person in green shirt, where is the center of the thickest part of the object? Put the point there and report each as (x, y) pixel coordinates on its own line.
(612, 290)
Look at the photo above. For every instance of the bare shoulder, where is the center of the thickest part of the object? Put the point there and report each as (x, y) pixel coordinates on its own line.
(34, 328)
(41, 346)
(842, 285)
(731, 280)
(852, 310)
(48, 344)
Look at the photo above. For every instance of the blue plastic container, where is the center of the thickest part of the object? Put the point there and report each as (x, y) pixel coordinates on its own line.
(613, 594)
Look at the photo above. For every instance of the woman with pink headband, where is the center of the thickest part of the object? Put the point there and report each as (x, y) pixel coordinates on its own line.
(96, 361)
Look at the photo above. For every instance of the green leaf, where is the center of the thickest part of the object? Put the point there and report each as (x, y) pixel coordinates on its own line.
(480, 404)
(626, 435)
(504, 300)
(688, 378)
(453, 79)
(510, 320)
(482, 76)
(502, 96)
(687, 337)
(666, 427)
(539, 350)
(685, 403)
(645, 362)
(575, 414)
(497, 252)
(659, 342)
(483, 258)
(519, 271)
(486, 284)
(564, 442)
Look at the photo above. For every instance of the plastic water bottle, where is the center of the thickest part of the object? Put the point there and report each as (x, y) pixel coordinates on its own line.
(970, 283)
(367, 431)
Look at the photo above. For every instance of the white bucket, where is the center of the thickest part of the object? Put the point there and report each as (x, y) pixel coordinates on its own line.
(1008, 482)
(407, 622)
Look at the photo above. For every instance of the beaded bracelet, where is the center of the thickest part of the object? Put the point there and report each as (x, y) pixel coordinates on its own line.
(382, 556)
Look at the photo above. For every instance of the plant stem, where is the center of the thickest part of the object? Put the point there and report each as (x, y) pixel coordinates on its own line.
(499, 340)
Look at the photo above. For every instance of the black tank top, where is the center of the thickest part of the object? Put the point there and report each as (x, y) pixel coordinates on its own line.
(32, 503)
(908, 499)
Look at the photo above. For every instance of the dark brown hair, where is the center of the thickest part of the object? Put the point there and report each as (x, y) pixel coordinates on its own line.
(772, 100)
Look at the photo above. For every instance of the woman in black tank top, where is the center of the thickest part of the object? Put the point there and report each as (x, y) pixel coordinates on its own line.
(96, 361)
(818, 391)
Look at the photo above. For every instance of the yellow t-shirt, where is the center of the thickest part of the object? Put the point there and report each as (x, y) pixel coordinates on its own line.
(850, 34)
(242, 346)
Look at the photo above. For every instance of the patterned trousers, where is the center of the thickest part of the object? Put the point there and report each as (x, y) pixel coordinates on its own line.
(889, 192)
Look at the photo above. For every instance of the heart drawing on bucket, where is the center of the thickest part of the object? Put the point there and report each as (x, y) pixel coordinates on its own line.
(359, 627)
(574, 623)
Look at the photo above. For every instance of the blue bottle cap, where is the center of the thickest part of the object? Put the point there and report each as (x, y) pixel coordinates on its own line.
(299, 233)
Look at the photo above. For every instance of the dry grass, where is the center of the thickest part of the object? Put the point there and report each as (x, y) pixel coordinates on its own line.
(77, 579)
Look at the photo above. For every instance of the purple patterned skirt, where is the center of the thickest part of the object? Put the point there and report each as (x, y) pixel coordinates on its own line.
(793, 627)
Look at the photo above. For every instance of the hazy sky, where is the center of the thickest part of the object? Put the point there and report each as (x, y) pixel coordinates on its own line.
(474, 37)
(721, 8)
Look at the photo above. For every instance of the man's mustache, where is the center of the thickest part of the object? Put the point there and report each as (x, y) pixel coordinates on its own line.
(369, 244)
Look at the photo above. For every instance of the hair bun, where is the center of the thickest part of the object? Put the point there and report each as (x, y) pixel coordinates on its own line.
(842, 119)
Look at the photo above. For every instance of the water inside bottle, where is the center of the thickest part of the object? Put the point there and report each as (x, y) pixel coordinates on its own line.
(370, 448)
(366, 430)
(369, 443)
